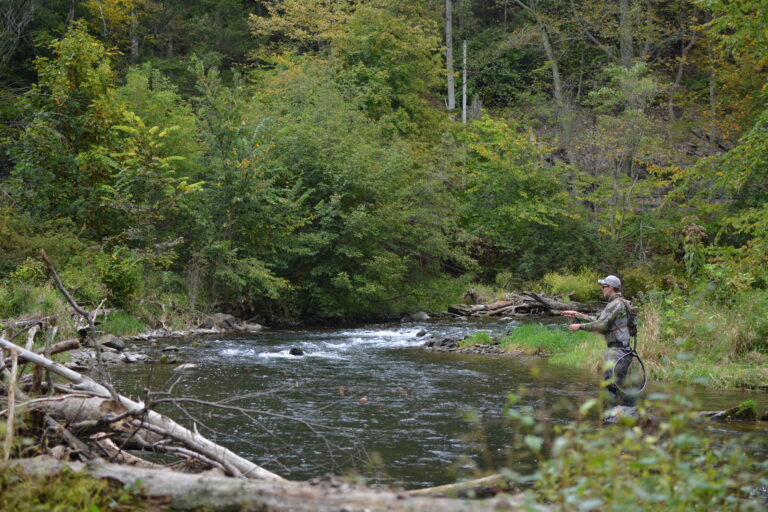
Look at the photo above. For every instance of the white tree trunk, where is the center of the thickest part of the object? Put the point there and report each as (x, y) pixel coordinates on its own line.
(449, 53)
(464, 87)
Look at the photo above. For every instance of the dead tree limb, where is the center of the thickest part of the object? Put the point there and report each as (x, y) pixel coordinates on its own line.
(87, 317)
(11, 405)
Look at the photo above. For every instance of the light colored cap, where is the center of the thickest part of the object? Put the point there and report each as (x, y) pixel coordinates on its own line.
(611, 281)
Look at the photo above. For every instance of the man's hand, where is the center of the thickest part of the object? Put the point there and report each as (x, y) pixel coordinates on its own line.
(574, 327)
(569, 313)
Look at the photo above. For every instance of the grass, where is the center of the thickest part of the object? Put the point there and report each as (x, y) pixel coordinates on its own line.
(692, 339)
(121, 323)
(579, 348)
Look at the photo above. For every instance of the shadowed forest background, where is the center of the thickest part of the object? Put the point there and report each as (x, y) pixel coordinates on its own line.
(308, 159)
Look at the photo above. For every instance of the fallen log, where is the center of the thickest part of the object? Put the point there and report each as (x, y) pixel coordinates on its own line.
(557, 306)
(62, 346)
(185, 491)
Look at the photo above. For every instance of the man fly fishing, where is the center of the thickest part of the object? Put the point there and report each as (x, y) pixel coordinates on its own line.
(614, 324)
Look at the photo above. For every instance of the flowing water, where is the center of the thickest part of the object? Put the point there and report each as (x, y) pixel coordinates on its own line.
(367, 400)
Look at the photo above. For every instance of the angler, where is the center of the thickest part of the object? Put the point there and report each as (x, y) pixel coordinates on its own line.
(617, 324)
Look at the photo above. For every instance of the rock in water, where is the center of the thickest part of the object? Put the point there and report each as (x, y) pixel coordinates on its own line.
(296, 351)
(184, 367)
(618, 413)
(421, 316)
(111, 341)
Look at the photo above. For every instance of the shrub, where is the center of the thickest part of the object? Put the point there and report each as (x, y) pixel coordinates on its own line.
(121, 272)
(583, 283)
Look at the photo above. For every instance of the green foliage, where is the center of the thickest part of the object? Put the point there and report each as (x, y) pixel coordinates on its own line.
(517, 206)
(64, 492)
(583, 284)
(672, 466)
(121, 273)
(19, 299)
(59, 155)
(372, 223)
(156, 102)
(388, 53)
(21, 239)
(121, 323)
(498, 73)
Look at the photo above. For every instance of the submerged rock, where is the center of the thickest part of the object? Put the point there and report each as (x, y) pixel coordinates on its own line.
(184, 367)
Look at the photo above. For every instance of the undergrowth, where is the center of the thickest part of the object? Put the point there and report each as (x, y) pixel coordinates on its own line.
(67, 491)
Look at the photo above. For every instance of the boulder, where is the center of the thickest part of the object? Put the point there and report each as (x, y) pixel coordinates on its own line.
(421, 333)
(111, 341)
(421, 316)
(248, 327)
(111, 357)
(296, 351)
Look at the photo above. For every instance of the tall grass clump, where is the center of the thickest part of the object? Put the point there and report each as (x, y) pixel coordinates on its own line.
(580, 348)
(583, 284)
(121, 323)
(687, 336)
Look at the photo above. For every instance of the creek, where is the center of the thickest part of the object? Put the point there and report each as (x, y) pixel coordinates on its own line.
(370, 400)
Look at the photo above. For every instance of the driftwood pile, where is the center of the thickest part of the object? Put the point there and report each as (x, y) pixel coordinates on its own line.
(520, 305)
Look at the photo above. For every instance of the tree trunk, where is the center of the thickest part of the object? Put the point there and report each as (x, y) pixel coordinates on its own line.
(449, 54)
(134, 36)
(625, 33)
(464, 87)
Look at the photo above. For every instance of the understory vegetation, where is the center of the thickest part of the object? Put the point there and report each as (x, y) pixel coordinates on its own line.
(66, 491)
(666, 462)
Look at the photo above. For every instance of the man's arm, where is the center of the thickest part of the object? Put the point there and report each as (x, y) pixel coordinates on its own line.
(581, 316)
(602, 323)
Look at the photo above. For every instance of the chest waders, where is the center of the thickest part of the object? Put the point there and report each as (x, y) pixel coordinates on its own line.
(632, 355)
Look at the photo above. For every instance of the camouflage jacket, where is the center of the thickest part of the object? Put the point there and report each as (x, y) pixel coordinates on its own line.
(612, 321)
